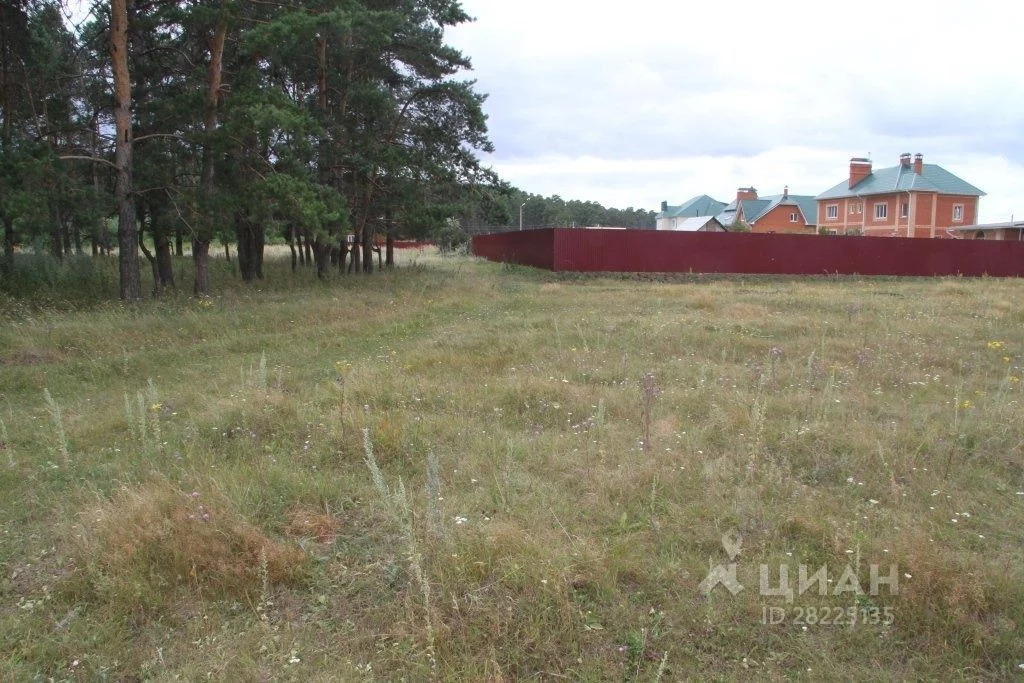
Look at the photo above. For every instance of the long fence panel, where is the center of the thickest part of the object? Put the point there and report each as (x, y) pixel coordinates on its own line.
(653, 251)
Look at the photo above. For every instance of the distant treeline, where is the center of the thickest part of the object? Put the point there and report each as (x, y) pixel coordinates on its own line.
(555, 212)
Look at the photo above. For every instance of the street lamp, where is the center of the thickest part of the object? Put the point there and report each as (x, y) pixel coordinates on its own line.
(521, 215)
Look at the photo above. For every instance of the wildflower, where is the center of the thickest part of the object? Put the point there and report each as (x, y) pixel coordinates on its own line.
(965, 404)
(995, 345)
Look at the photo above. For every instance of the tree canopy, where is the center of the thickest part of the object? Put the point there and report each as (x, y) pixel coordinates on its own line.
(161, 126)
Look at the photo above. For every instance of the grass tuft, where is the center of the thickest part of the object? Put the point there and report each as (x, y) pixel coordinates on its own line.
(58, 425)
(146, 540)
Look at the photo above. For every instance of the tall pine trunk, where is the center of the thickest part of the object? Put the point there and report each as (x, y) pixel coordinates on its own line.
(201, 242)
(322, 243)
(8, 262)
(141, 215)
(7, 265)
(357, 254)
(201, 254)
(127, 230)
(162, 245)
(98, 225)
(368, 237)
(389, 239)
(250, 238)
(56, 238)
(289, 235)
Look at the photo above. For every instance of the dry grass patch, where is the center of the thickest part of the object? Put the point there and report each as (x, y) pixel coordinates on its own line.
(308, 522)
(151, 538)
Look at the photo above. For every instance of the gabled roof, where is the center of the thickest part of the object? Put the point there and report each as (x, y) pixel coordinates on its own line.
(695, 223)
(701, 205)
(728, 217)
(933, 178)
(754, 209)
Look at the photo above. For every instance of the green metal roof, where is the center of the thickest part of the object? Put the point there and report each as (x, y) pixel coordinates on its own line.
(701, 205)
(808, 207)
(933, 178)
(754, 209)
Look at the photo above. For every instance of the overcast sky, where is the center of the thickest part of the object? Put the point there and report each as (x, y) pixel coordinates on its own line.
(637, 102)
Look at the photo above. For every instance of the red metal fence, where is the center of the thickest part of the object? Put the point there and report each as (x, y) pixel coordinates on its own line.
(526, 247)
(652, 251)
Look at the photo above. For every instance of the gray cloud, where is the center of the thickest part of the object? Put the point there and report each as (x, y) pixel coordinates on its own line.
(665, 100)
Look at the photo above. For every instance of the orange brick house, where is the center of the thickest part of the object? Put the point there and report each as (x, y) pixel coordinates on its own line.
(913, 199)
(784, 212)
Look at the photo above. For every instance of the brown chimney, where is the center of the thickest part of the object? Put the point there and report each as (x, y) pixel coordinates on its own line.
(664, 206)
(785, 192)
(918, 163)
(859, 170)
(745, 193)
(905, 160)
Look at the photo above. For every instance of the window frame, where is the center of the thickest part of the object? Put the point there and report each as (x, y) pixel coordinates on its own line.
(881, 211)
(960, 218)
(831, 212)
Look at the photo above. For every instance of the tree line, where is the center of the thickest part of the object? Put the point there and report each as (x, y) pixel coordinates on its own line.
(555, 212)
(154, 125)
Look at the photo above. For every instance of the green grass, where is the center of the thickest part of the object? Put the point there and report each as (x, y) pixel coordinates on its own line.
(216, 514)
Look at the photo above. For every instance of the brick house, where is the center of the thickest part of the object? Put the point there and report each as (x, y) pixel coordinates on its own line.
(912, 199)
(784, 212)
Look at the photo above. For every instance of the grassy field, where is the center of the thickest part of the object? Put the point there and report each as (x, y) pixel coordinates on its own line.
(465, 471)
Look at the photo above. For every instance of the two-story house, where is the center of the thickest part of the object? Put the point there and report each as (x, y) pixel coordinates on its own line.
(784, 212)
(913, 199)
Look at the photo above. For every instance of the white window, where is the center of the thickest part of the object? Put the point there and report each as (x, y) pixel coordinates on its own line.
(881, 211)
(958, 213)
(853, 208)
(792, 217)
(832, 212)
(904, 210)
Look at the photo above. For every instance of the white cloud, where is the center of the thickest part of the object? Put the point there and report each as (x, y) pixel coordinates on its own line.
(629, 105)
